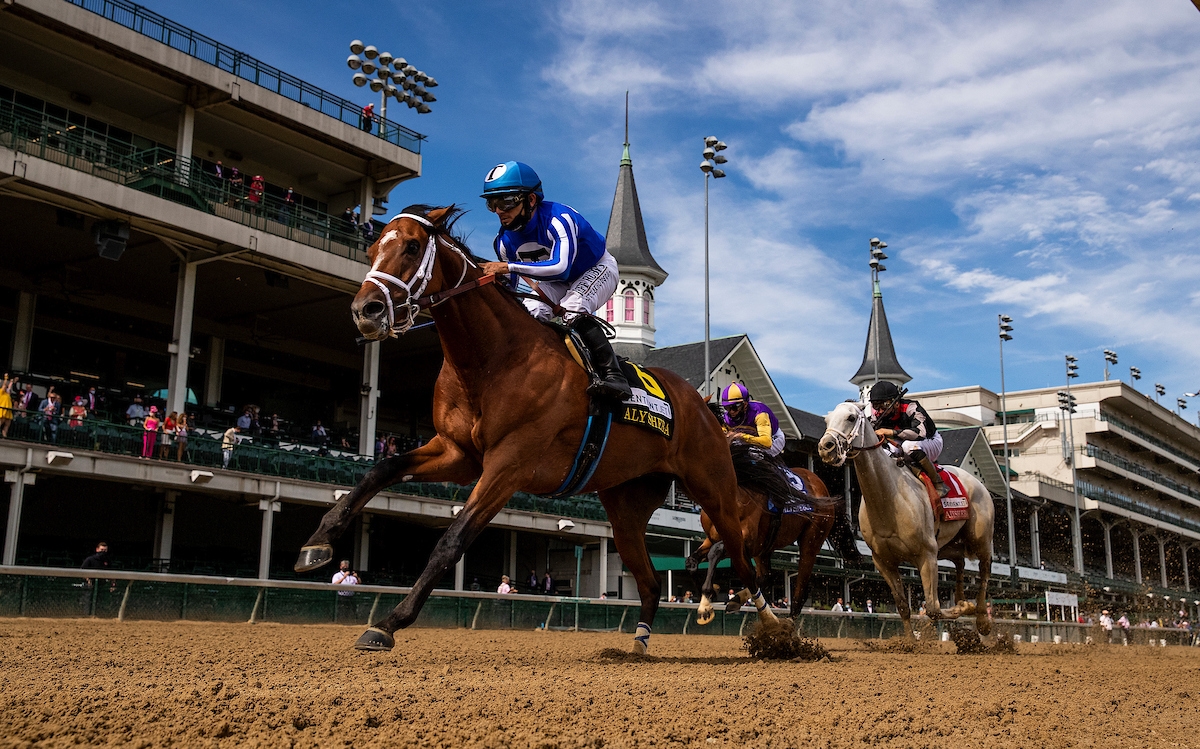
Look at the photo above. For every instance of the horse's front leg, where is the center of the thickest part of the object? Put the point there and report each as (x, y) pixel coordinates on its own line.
(437, 460)
(929, 581)
(705, 613)
(486, 500)
(891, 575)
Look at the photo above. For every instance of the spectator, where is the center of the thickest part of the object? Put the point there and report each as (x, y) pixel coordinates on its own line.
(381, 447)
(287, 209)
(168, 434)
(839, 606)
(366, 121)
(687, 597)
(135, 413)
(349, 222)
(346, 576)
(319, 435)
(77, 413)
(256, 193)
(181, 436)
(219, 171)
(368, 231)
(244, 421)
(548, 584)
(475, 586)
(274, 427)
(532, 581)
(29, 399)
(235, 185)
(504, 586)
(870, 606)
(98, 561)
(51, 412)
(6, 403)
(92, 400)
(733, 596)
(150, 432)
(392, 449)
(1106, 623)
(228, 440)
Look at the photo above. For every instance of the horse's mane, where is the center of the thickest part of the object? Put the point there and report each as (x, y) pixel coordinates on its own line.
(447, 226)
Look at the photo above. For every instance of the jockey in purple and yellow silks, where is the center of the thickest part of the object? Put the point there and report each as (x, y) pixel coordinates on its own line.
(750, 421)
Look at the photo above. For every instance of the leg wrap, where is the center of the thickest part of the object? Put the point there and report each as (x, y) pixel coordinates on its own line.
(760, 602)
(642, 634)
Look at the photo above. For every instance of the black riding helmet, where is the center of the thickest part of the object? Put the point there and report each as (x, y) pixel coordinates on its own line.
(884, 396)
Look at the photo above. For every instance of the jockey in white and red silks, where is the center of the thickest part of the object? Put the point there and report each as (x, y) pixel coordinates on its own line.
(907, 421)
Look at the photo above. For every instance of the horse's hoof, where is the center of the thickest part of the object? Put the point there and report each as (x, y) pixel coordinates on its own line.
(313, 557)
(984, 627)
(734, 606)
(705, 617)
(639, 647)
(375, 639)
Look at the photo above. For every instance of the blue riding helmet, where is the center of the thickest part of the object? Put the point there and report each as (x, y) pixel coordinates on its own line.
(509, 178)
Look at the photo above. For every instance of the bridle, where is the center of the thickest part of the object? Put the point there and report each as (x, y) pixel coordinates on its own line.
(844, 441)
(415, 286)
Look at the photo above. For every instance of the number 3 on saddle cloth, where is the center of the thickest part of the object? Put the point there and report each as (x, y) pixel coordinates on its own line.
(649, 407)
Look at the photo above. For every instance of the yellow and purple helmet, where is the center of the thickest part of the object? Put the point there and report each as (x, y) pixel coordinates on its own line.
(735, 394)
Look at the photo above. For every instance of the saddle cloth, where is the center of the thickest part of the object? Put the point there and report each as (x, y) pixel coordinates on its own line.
(953, 506)
(795, 504)
(649, 407)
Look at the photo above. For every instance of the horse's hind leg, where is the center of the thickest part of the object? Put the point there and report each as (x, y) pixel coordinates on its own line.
(437, 460)
(983, 625)
(692, 564)
(629, 507)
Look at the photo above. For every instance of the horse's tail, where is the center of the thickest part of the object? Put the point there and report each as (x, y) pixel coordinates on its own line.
(842, 535)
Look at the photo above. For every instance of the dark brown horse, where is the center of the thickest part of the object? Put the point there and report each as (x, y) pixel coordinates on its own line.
(761, 534)
(510, 409)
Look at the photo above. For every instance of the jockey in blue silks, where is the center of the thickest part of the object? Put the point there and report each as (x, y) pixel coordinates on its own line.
(558, 250)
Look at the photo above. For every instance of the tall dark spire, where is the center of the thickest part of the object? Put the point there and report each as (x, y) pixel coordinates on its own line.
(626, 236)
(879, 347)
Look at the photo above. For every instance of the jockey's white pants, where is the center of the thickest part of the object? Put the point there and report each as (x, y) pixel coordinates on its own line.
(931, 447)
(777, 441)
(585, 294)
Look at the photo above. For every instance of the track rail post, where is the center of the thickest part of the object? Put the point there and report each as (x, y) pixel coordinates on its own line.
(124, 601)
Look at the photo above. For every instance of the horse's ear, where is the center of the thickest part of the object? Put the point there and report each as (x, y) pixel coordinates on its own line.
(439, 215)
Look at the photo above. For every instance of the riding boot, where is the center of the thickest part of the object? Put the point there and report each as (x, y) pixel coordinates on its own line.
(611, 382)
(927, 466)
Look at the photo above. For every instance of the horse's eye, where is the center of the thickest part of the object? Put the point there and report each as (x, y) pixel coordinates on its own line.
(412, 247)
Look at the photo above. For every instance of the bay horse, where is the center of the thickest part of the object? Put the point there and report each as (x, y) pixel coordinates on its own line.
(510, 409)
(757, 480)
(899, 525)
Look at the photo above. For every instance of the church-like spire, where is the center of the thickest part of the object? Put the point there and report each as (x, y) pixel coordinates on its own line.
(626, 236)
(879, 349)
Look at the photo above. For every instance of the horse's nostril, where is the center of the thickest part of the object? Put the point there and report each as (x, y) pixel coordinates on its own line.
(372, 309)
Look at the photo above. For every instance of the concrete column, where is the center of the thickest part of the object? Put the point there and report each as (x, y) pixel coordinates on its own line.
(1137, 555)
(183, 141)
(362, 544)
(512, 556)
(269, 507)
(22, 343)
(1162, 560)
(368, 405)
(1108, 563)
(810, 462)
(603, 567)
(1187, 584)
(460, 571)
(366, 199)
(16, 498)
(1035, 541)
(165, 532)
(180, 349)
(216, 370)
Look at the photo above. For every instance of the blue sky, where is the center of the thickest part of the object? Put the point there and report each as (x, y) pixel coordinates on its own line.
(1036, 159)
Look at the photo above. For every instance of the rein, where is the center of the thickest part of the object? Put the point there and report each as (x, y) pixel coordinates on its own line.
(852, 452)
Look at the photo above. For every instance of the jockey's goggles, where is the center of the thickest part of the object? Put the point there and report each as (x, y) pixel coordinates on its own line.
(501, 203)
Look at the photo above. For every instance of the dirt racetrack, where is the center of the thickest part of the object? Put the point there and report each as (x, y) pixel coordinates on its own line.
(92, 683)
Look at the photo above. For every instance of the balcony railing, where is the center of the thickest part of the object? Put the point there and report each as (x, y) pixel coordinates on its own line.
(1142, 508)
(191, 43)
(1127, 465)
(158, 171)
(1126, 426)
(294, 462)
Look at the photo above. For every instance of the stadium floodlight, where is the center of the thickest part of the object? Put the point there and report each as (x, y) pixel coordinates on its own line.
(396, 75)
(1181, 405)
(1135, 374)
(712, 146)
(1110, 357)
(1072, 367)
(1067, 404)
(1159, 391)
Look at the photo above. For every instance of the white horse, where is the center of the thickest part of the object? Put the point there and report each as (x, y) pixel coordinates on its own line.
(900, 526)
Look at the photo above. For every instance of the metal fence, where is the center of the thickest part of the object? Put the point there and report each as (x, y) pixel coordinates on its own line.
(112, 594)
(160, 172)
(161, 29)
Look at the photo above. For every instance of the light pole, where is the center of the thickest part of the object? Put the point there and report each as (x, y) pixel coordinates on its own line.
(1110, 357)
(394, 77)
(1180, 406)
(712, 157)
(877, 267)
(1135, 374)
(1193, 395)
(1068, 404)
(1159, 390)
(1006, 335)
